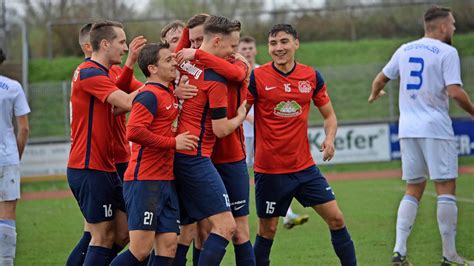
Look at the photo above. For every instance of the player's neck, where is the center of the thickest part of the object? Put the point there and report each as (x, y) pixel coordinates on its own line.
(101, 60)
(157, 79)
(433, 35)
(286, 67)
(207, 48)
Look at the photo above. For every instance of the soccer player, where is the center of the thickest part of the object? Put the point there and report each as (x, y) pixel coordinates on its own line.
(91, 160)
(429, 71)
(171, 33)
(14, 104)
(281, 91)
(149, 192)
(126, 82)
(248, 49)
(200, 187)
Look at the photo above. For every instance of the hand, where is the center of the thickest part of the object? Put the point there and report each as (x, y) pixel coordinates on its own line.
(185, 54)
(374, 97)
(242, 111)
(327, 148)
(185, 141)
(184, 90)
(134, 49)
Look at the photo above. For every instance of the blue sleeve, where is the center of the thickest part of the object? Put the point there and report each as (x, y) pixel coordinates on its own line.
(148, 100)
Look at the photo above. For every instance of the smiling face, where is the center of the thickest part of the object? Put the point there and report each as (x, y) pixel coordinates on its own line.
(282, 48)
(172, 37)
(226, 44)
(196, 36)
(165, 68)
(116, 48)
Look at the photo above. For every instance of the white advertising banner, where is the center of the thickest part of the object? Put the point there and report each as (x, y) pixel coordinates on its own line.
(353, 143)
(45, 159)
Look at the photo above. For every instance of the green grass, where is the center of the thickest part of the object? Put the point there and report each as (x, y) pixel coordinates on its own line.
(48, 229)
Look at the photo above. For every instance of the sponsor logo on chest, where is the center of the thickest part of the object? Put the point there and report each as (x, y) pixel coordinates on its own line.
(191, 69)
(287, 109)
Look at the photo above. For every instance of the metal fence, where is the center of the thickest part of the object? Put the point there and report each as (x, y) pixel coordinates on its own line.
(348, 86)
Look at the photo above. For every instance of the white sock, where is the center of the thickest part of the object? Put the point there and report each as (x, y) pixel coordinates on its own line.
(7, 244)
(447, 220)
(405, 220)
(289, 215)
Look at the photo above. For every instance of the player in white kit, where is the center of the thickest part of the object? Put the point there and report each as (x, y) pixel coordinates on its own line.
(12, 104)
(429, 70)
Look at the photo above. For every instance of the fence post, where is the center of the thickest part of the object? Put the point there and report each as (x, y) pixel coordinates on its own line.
(66, 109)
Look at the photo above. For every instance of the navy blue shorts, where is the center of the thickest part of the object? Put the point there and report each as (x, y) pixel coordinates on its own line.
(236, 180)
(274, 192)
(200, 188)
(121, 168)
(98, 193)
(152, 205)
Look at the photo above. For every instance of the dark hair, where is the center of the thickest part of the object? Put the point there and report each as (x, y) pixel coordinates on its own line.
(103, 30)
(150, 55)
(436, 12)
(171, 26)
(2, 56)
(84, 33)
(286, 28)
(247, 39)
(219, 24)
(196, 20)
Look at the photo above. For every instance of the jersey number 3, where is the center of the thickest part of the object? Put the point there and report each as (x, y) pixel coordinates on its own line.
(416, 73)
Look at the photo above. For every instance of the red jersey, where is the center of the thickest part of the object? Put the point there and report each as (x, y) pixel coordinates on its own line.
(91, 118)
(125, 81)
(282, 102)
(231, 148)
(152, 129)
(209, 103)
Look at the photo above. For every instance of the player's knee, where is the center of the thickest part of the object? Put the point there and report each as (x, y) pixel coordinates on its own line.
(104, 238)
(226, 228)
(121, 238)
(268, 231)
(241, 236)
(336, 221)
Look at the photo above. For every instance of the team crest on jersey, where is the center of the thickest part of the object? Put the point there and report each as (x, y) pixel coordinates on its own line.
(304, 86)
(287, 109)
(191, 69)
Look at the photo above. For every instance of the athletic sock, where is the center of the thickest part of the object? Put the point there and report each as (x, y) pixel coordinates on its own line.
(213, 250)
(7, 242)
(127, 258)
(262, 248)
(196, 254)
(244, 255)
(78, 254)
(447, 220)
(161, 261)
(98, 256)
(343, 246)
(405, 220)
(180, 257)
(116, 250)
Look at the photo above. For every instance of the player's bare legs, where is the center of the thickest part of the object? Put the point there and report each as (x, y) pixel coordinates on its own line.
(186, 236)
(242, 231)
(141, 243)
(267, 227)
(102, 233)
(121, 229)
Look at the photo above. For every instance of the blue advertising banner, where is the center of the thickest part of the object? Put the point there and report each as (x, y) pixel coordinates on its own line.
(463, 131)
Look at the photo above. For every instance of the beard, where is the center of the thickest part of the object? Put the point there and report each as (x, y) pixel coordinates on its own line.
(448, 40)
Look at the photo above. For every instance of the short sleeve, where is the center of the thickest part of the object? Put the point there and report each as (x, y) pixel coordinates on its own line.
(96, 82)
(21, 104)
(320, 95)
(391, 69)
(452, 68)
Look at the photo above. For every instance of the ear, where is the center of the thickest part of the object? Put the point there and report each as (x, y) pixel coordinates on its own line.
(152, 69)
(216, 40)
(105, 44)
(297, 43)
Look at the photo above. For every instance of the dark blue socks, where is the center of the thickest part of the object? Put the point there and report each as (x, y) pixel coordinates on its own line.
(180, 257)
(98, 256)
(244, 255)
(213, 251)
(262, 249)
(78, 254)
(343, 246)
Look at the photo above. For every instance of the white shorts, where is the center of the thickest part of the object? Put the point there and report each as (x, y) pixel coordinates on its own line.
(423, 157)
(9, 182)
(249, 150)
